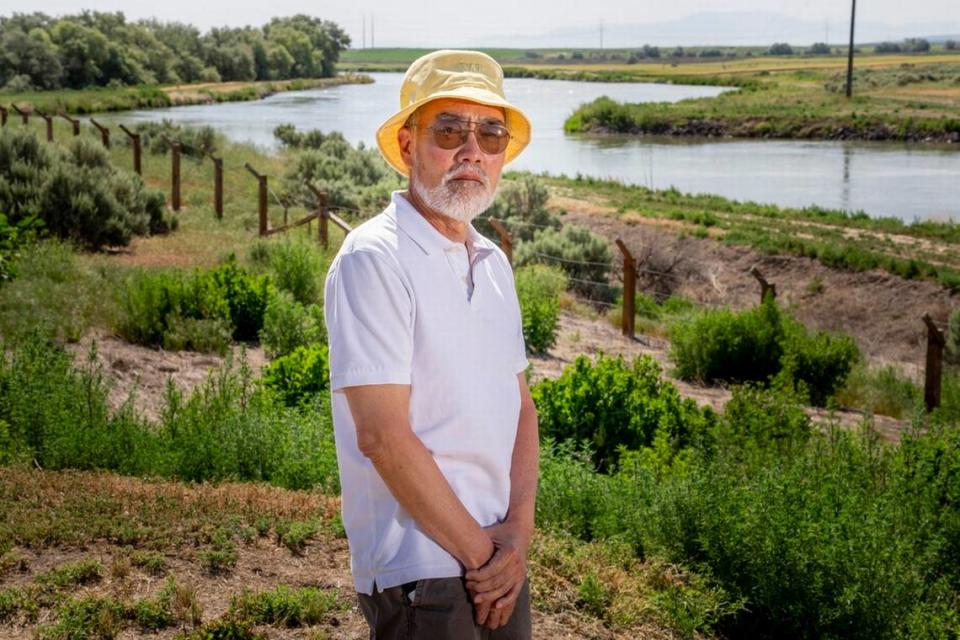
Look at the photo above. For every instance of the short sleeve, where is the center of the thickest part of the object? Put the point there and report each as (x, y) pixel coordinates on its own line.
(369, 314)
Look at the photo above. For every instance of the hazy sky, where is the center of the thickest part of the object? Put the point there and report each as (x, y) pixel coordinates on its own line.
(430, 24)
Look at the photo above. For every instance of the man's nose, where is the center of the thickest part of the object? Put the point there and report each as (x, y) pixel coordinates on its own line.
(470, 151)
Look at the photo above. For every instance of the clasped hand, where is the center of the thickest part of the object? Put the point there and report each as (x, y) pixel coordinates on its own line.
(495, 586)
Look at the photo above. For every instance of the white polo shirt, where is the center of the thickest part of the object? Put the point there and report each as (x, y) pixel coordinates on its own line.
(398, 311)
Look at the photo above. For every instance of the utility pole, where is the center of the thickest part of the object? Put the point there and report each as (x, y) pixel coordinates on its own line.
(364, 18)
(373, 43)
(853, 17)
(601, 34)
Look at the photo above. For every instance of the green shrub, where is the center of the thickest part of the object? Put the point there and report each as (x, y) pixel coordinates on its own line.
(194, 141)
(200, 311)
(352, 177)
(522, 206)
(13, 238)
(75, 192)
(755, 344)
(539, 288)
(884, 391)
(820, 360)
(300, 374)
(55, 294)
(246, 295)
(582, 254)
(287, 324)
(59, 415)
(612, 404)
(73, 574)
(725, 345)
(299, 268)
(283, 606)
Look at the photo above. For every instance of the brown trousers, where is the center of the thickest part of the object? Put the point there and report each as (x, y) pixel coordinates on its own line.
(437, 609)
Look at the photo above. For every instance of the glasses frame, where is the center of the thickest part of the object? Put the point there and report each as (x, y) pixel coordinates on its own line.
(466, 127)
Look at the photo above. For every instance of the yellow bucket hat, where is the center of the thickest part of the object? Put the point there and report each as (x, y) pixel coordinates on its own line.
(464, 75)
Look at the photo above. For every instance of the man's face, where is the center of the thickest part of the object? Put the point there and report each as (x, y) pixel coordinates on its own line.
(461, 182)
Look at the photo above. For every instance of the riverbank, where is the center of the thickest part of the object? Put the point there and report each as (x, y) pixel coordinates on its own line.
(850, 241)
(97, 100)
(909, 102)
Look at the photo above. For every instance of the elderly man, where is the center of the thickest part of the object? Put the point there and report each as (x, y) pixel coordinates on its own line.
(435, 429)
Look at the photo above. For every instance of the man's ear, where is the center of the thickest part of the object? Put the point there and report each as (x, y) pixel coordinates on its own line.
(405, 142)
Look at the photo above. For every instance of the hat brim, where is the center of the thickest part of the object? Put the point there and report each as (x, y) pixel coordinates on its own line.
(515, 120)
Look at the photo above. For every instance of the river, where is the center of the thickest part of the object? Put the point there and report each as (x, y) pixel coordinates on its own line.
(882, 179)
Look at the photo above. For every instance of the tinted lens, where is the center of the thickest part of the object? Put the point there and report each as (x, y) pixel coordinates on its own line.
(492, 138)
(450, 136)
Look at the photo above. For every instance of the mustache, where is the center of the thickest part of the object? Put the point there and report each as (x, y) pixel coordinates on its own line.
(458, 173)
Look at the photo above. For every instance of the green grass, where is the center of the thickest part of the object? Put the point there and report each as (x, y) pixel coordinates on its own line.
(914, 102)
(100, 99)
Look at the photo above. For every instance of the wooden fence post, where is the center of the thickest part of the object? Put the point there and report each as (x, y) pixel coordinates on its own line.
(49, 120)
(765, 287)
(261, 199)
(3, 116)
(323, 216)
(629, 290)
(218, 186)
(175, 175)
(73, 121)
(24, 115)
(135, 139)
(935, 344)
(506, 242)
(104, 133)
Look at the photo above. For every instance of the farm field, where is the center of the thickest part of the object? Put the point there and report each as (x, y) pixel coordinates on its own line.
(224, 479)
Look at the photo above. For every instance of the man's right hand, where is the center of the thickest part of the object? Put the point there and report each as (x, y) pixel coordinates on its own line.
(496, 586)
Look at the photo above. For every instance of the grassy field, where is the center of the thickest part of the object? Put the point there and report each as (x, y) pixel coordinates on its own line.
(100, 99)
(914, 99)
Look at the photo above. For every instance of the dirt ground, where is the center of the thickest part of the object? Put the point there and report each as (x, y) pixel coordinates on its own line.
(142, 373)
(881, 311)
(261, 566)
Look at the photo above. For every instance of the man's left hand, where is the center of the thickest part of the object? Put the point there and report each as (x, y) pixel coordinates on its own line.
(496, 586)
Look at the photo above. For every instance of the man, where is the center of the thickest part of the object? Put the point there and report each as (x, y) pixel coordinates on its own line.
(435, 429)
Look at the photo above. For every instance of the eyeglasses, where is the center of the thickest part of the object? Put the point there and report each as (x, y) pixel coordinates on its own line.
(492, 137)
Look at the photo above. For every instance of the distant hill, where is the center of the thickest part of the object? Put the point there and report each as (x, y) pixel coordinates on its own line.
(722, 28)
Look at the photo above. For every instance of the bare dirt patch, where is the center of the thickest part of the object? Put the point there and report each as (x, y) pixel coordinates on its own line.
(142, 373)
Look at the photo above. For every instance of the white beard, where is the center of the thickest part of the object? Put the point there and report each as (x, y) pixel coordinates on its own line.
(461, 201)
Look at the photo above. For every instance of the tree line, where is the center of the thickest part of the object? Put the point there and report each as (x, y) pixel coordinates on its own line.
(93, 49)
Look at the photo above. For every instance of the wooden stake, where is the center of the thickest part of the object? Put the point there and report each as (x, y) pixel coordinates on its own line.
(765, 287)
(24, 115)
(104, 133)
(135, 140)
(49, 120)
(506, 242)
(175, 175)
(261, 199)
(628, 320)
(932, 383)
(218, 186)
(73, 121)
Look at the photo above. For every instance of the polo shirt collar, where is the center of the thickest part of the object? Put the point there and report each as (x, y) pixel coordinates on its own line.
(426, 236)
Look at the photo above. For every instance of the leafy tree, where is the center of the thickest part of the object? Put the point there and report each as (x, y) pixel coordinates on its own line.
(780, 49)
(32, 55)
(819, 49)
